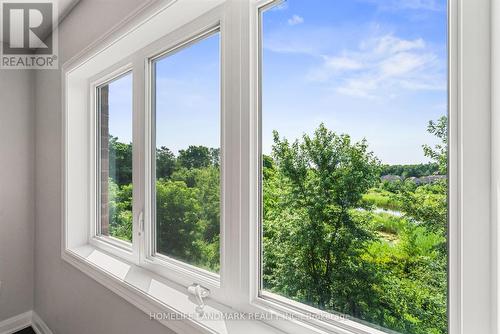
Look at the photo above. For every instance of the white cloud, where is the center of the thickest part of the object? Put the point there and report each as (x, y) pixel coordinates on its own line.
(382, 66)
(358, 88)
(295, 19)
(393, 5)
(333, 65)
(342, 63)
(391, 44)
(400, 64)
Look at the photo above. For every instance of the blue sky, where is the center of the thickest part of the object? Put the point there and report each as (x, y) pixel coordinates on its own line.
(374, 69)
(188, 96)
(120, 108)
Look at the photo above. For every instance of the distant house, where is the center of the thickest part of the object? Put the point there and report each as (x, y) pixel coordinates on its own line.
(391, 178)
(429, 179)
(417, 180)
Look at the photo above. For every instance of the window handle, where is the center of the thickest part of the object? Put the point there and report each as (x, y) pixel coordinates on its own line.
(141, 223)
(199, 293)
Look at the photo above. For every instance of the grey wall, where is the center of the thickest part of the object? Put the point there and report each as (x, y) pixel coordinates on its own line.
(17, 160)
(67, 300)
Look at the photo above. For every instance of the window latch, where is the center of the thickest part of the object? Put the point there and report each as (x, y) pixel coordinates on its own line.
(141, 223)
(199, 293)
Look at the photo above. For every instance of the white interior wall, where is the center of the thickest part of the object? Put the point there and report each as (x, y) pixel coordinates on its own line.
(17, 161)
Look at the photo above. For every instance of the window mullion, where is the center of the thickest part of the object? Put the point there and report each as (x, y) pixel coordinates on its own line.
(236, 146)
(138, 156)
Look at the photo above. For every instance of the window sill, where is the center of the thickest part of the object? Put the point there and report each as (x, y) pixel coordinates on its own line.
(157, 296)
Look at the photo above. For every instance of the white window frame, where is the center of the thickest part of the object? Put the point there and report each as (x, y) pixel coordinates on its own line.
(143, 160)
(122, 248)
(156, 285)
(160, 263)
(265, 300)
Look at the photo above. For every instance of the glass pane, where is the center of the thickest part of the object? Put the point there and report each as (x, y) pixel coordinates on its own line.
(187, 154)
(354, 149)
(115, 138)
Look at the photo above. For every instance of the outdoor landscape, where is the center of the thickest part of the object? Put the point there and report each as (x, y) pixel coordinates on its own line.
(354, 158)
(342, 232)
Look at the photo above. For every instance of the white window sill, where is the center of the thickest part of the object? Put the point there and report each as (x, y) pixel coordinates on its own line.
(157, 296)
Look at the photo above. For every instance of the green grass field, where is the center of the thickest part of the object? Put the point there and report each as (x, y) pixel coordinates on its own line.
(382, 199)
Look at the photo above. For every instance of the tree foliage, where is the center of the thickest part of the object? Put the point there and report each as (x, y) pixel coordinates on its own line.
(120, 161)
(165, 163)
(334, 236)
(198, 157)
(439, 153)
(324, 246)
(188, 216)
(324, 177)
(187, 201)
(405, 171)
(120, 210)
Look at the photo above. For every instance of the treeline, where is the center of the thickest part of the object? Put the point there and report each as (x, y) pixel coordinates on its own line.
(120, 160)
(201, 156)
(405, 171)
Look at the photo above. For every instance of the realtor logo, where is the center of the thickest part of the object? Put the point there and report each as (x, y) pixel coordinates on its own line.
(29, 40)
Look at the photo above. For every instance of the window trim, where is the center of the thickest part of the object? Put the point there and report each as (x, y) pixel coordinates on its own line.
(469, 289)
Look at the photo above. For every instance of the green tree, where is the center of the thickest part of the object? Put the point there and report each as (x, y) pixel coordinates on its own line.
(207, 183)
(313, 244)
(120, 161)
(412, 293)
(215, 156)
(439, 153)
(428, 204)
(165, 162)
(120, 210)
(178, 213)
(196, 157)
(415, 284)
(405, 171)
(188, 216)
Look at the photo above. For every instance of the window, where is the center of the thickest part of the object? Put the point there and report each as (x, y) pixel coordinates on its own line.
(187, 182)
(115, 158)
(291, 160)
(355, 159)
